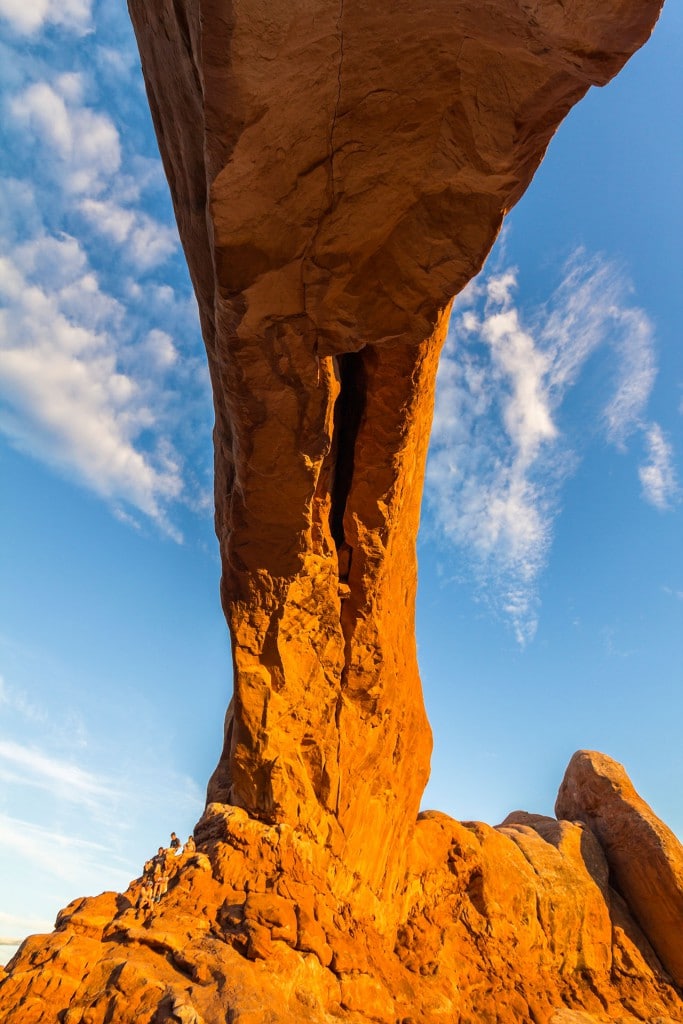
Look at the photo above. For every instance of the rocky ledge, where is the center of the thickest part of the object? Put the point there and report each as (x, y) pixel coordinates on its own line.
(532, 921)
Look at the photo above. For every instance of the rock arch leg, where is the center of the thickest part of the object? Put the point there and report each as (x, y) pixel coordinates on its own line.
(327, 728)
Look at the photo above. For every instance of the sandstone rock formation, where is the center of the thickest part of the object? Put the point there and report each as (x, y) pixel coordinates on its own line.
(513, 924)
(645, 857)
(339, 171)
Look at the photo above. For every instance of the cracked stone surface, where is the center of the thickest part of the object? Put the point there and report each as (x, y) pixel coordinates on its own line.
(339, 172)
(338, 175)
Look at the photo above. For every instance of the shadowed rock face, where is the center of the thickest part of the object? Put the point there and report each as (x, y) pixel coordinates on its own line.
(339, 171)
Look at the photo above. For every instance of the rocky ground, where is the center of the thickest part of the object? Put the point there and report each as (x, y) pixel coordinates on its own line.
(534, 921)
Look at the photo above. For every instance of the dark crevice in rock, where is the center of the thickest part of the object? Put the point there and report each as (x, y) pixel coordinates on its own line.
(348, 414)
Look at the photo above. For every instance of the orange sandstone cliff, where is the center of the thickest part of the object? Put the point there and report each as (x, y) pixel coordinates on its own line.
(340, 170)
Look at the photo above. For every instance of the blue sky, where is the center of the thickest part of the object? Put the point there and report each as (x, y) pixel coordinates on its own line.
(551, 569)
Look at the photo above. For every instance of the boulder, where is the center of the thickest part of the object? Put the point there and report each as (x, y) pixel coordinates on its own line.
(645, 858)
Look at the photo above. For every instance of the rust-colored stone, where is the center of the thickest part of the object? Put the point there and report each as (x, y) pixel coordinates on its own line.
(644, 856)
(515, 924)
(339, 171)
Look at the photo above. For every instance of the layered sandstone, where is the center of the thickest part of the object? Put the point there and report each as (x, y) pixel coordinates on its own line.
(339, 171)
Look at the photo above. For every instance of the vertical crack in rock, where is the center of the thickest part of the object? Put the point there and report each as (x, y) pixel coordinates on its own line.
(348, 415)
(349, 410)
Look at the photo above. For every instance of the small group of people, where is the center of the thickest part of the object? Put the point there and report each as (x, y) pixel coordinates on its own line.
(157, 872)
(175, 844)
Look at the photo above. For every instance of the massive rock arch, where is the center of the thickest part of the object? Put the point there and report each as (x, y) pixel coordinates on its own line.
(340, 170)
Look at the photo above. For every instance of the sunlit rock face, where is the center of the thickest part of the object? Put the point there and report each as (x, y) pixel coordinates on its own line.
(645, 857)
(339, 171)
(518, 924)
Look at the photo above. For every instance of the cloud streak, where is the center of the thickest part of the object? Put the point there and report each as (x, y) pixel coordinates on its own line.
(658, 475)
(61, 855)
(500, 451)
(62, 779)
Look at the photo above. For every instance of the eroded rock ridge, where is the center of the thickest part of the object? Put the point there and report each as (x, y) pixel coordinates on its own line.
(519, 923)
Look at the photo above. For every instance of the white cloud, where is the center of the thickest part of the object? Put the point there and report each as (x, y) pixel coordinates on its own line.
(635, 375)
(30, 16)
(66, 399)
(147, 242)
(160, 348)
(498, 455)
(84, 360)
(657, 475)
(82, 145)
(92, 381)
(120, 61)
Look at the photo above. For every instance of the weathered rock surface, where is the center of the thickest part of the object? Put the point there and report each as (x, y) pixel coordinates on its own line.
(514, 924)
(339, 171)
(645, 858)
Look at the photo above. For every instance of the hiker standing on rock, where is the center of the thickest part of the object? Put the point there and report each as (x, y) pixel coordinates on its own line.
(160, 881)
(145, 897)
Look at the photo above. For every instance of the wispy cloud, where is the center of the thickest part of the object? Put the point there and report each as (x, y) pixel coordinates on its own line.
(18, 701)
(91, 373)
(71, 821)
(658, 475)
(66, 398)
(59, 854)
(64, 780)
(30, 16)
(500, 451)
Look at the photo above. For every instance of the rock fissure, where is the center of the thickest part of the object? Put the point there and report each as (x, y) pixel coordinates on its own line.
(348, 414)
